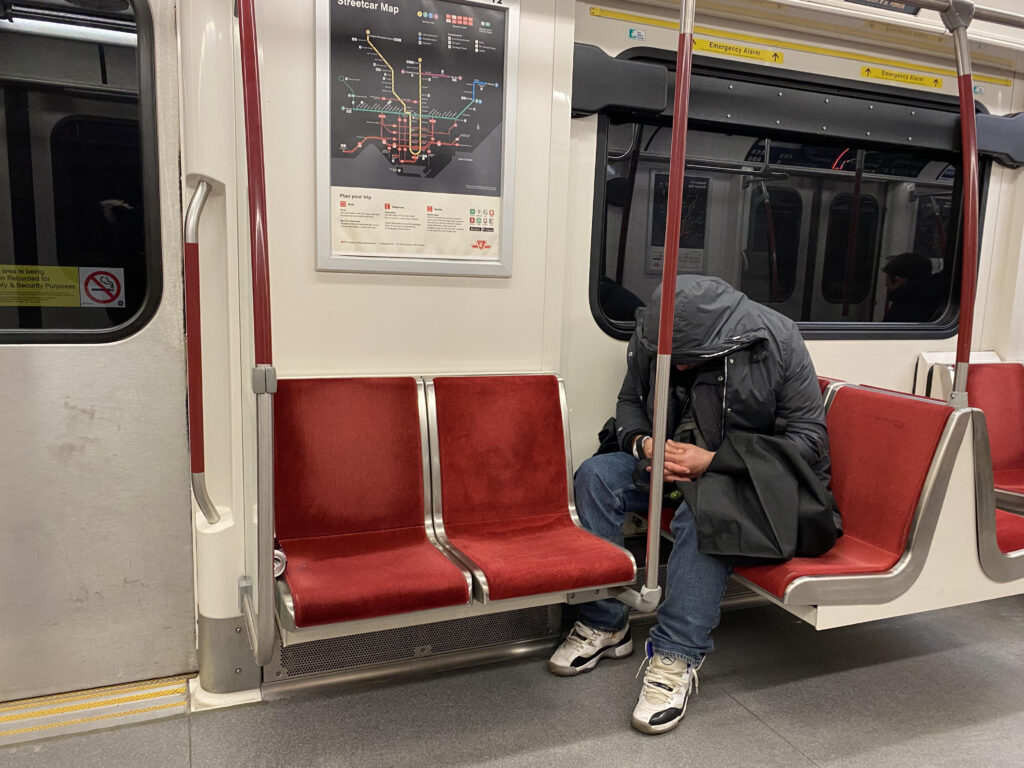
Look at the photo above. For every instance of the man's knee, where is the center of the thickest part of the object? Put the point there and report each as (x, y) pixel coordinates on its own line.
(607, 472)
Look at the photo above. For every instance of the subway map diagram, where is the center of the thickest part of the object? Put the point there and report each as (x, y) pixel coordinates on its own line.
(418, 98)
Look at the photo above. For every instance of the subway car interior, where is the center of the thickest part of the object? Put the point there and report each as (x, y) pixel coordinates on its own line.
(287, 453)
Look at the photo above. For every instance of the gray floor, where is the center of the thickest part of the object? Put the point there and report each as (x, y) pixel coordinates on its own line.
(939, 689)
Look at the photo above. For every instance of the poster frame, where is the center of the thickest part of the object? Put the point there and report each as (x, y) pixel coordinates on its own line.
(328, 261)
(649, 269)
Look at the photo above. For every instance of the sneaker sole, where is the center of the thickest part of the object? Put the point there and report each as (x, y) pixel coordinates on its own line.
(612, 652)
(643, 727)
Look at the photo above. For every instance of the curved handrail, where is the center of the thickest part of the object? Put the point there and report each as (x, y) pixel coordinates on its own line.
(194, 352)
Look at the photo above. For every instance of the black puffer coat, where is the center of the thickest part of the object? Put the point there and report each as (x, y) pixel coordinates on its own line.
(761, 377)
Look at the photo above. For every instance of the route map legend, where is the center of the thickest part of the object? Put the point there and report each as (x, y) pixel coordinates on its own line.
(417, 102)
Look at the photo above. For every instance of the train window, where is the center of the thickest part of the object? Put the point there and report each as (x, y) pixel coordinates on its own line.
(850, 249)
(771, 213)
(773, 244)
(79, 250)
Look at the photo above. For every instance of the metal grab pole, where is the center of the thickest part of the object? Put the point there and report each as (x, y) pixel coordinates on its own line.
(852, 233)
(677, 162)
(957, 19)
(259, 618)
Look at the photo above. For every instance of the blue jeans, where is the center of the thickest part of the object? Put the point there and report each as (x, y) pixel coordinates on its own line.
(605, 493)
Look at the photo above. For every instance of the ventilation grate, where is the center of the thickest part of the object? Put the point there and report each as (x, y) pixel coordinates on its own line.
(395, 645)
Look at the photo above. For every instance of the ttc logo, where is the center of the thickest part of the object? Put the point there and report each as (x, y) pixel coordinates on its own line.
(482, 245)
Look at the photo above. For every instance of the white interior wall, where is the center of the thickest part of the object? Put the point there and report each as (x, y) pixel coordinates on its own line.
(331, 323)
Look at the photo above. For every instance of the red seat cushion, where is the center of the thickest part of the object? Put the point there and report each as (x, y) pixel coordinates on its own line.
(504, 487)
(877, 496)
(1009, 531)
(535, 555)
(849, 555)
(1010, 479)
(366, 575)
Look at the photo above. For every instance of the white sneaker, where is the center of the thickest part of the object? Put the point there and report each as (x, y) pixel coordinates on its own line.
(667, 686)
(584, 646)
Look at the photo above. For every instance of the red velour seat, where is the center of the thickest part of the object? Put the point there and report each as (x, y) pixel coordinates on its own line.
(1009, 532)
(1010, 479)
(350, 502)
(504, 488)
(824, 381)
(998, 390)
(876, 493)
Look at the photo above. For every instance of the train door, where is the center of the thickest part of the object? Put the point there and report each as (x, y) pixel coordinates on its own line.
(778, 212)
(845, 251)
(95, 530)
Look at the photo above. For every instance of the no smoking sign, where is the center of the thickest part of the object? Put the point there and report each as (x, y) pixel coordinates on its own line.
(102, 287)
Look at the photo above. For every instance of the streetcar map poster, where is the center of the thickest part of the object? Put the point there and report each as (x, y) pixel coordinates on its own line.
(415, 111)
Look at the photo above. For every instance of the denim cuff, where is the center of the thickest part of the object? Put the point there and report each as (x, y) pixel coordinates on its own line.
(601, 628)
(677, 656)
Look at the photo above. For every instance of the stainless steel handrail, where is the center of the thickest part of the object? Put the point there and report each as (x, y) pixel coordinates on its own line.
(193, 341)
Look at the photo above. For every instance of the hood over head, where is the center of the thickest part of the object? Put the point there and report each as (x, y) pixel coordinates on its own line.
(711, 319)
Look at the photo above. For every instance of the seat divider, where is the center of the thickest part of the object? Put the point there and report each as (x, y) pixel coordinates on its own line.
(480, 589)
(428, 450)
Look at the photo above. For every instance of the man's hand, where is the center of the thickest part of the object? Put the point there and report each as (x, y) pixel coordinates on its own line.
(684, 462)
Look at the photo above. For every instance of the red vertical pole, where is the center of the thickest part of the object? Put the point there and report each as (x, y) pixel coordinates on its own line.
(957, 18)
(677, 162)
(969, 252)
(257, 182)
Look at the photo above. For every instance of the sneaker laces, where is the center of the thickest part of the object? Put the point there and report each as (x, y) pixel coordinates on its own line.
(580, 635)
(660, 684)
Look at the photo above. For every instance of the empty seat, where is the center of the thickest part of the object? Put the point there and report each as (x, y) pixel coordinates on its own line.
(880, 498)
(504, 501)
(352, 508)
(997, 389)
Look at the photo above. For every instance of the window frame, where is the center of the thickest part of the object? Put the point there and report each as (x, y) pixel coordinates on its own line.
(944, 327)
(148, 143)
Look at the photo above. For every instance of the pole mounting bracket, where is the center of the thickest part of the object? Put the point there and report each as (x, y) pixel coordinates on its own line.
(959, 15)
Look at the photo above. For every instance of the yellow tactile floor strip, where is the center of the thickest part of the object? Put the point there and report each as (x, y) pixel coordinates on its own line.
(93, 693)
(93, 719)
(98, 704)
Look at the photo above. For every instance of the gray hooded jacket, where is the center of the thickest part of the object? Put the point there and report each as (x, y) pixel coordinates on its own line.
(760, 374)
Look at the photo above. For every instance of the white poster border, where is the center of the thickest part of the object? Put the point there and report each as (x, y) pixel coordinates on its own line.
(328, 261)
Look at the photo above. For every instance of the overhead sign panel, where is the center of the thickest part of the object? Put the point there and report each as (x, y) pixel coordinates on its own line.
(895, 75)
(740, 50)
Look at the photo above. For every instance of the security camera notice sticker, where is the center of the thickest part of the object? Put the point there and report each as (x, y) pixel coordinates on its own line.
(24, 285)
(102, 287)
